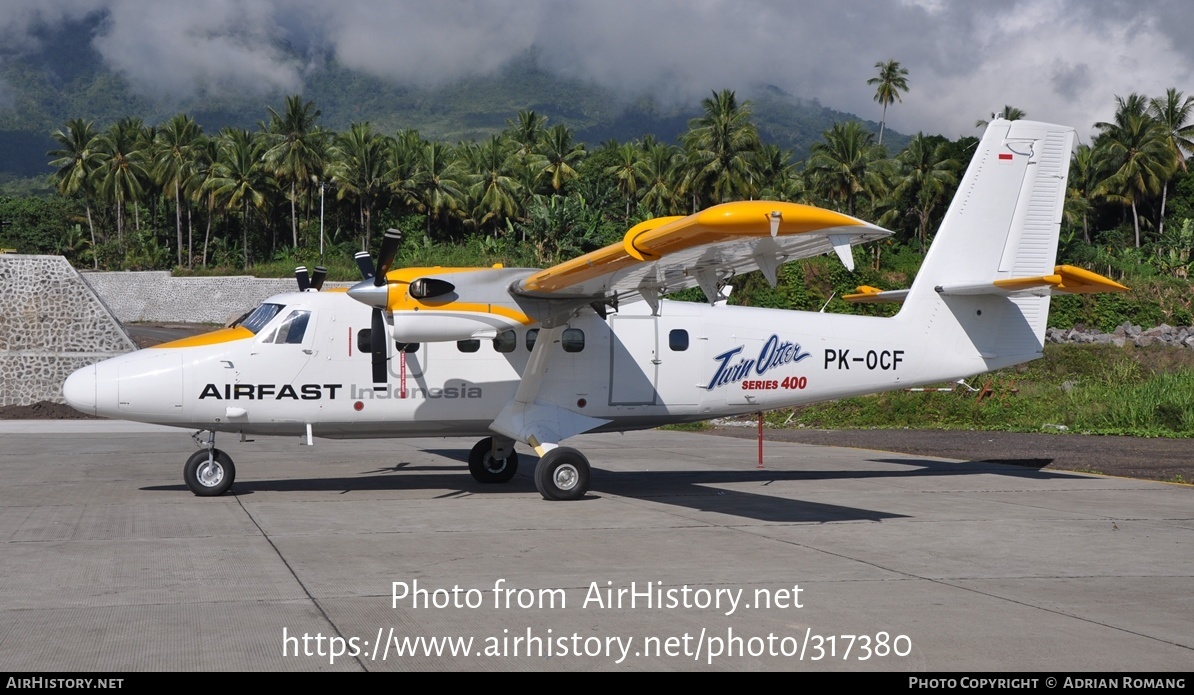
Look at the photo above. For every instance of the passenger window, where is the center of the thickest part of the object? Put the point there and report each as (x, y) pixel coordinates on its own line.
(677, 340)
(505, 341)
(468, 345)
(406, 347)
(532, 336)
(291, 330)
(573, 340)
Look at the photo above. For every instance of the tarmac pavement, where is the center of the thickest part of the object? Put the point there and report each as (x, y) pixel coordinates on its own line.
(342, 555)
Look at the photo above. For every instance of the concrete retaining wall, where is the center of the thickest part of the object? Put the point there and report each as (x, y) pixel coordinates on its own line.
(157, 296)
(51, 323)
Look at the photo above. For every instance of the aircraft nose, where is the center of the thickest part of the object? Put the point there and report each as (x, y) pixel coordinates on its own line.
(79, 390)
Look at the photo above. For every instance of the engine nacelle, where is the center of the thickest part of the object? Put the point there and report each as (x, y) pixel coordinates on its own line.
(431, 326)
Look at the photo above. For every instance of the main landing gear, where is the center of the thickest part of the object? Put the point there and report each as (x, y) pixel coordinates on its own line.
(561, 474)
(493, 460)
(209, 472)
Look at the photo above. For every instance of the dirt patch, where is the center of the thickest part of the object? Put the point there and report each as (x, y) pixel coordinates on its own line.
(43, 410)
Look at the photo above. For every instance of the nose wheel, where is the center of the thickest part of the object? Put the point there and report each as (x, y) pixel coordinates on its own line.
(209, 472)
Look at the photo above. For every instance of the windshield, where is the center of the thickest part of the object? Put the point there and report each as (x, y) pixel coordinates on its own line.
(256, 319)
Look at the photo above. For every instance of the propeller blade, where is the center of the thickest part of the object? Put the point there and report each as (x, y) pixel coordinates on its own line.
(377, 339)
(318, 277)
(304, 281)
(365, 263)
(385, 259)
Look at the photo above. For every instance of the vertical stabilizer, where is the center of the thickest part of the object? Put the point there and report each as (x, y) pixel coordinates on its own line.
(1003, 223)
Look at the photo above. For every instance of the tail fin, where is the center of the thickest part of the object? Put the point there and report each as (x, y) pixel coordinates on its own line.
(1002, 225)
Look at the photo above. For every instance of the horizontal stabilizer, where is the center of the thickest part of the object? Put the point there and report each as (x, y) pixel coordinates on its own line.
(865, 294)
(1066, 279)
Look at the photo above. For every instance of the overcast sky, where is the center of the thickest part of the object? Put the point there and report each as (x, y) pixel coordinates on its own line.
(1058, 60)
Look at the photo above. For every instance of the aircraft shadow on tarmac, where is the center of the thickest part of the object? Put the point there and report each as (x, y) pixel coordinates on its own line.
(696, 490)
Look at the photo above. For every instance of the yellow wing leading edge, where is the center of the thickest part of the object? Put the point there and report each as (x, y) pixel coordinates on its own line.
(667, 254)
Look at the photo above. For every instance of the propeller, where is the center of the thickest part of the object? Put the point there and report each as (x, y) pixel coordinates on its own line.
(375, 292)
(315, 280)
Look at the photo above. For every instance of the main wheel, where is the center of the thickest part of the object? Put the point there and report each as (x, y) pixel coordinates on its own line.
(209, 479)
(562, 474)
(486, 469)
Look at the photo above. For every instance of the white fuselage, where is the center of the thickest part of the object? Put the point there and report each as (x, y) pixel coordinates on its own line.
(633, 369)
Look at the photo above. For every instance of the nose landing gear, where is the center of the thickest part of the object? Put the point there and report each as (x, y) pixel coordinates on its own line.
(209, 472)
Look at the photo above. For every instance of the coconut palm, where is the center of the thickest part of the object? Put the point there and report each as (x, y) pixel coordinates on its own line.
(629, 173)
(493, 183)
(358, 168)
(238, 178)
(844, 165)
(76, 162)
(121, 167)
(1173, 113)
(660, 185)
(295, 151)
(892, 80)
(1081, 188)
(1135, 151)
(927, 173)
(559, 156)
(173, 162)
(437, 182)
(719, 150)
(1009, 113)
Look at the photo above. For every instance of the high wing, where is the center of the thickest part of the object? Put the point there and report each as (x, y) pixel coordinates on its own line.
(705, 250)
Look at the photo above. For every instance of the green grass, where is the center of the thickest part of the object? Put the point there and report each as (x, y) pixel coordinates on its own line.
(1099, 390)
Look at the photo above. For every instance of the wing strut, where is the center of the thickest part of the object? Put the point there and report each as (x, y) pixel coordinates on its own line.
(541, 425)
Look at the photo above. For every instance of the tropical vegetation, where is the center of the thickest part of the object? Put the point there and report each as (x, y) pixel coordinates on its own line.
(137, 196)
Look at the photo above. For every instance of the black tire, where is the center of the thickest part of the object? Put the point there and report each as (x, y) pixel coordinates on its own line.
(488, 470)
(207, 481)
(562, 474)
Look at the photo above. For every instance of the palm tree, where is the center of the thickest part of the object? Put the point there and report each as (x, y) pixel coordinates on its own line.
(492, 181)
(660, 183)
(1009, 113)
(238, 178)
(559, 155)
(629, 173)
(778, 178)
(892, 80)
(1082, 187)
(403, 157)
(1135, 149)
(843, 166)
(436, 183)
(121, 167)
(720, 149)
(358, 168)
(295, 152)
(926, 172)
(77, 160)
(177, 144)
(1173, 114)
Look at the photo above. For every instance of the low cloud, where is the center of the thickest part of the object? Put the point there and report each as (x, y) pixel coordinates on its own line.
(1061, 60)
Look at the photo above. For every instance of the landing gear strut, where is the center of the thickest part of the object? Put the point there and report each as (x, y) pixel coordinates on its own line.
(562, 474)
(209, 472)
(491, 462)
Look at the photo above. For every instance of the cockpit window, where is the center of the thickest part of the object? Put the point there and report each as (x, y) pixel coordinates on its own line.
(291, 330)
(256, 319)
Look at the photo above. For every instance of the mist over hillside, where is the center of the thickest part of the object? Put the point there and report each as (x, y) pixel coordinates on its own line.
(65, 77)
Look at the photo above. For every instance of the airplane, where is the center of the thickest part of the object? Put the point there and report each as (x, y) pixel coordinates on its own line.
(535, 356)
